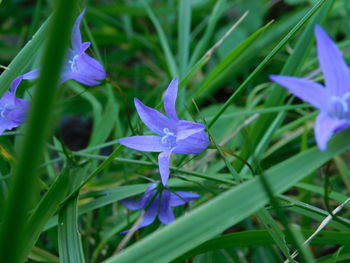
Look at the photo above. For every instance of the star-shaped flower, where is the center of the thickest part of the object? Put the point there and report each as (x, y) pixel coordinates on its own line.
(174, 135)
(158, 201)
(333, 100)
(12, 109)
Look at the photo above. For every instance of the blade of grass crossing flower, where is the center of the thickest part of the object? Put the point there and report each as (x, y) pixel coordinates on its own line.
(184, 29)
(172, 67)
(25, 173)
(267, 59)
(24, 57)
(69, 240)
(228, 208)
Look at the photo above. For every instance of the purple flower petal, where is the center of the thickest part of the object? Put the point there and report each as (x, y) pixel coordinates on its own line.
(325, 127)
(27, 76)
(164, 163)
(76, 35)
(151, 213)
(153, 119)
(12, 111)
(334, 68)
(166, 215)
(307, 90)
(170, 99)
(181, 198)
(193, 144)
(144, 143)
(186, 129)
(133, 203)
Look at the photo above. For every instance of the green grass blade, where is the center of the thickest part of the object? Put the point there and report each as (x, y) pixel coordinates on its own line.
(25, 173)
(24, 57)
(263, 238)
(164, 42)
(69, 241)
(184, 29)
(228, 208)
(220, 68)
(47, 207)
(213, 19)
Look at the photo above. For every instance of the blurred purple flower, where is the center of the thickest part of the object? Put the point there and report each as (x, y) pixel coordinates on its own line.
(12, 109)
(333, 100)
(158, 201)
(78, 65)
(175, 136)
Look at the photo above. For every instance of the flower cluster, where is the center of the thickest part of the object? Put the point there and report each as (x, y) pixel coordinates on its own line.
(78, 66)
(173, 136)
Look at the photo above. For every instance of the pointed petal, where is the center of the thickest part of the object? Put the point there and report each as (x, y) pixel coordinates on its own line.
(334, 68)
(144, 143)
(181, 198)
(307, 90)
(135, 203)
(164, 163)
(153, 119)
(132, 203)
(166, 215)
(170, 99)
(187, 128)
(151, 213)
(325, 127)
(193, 144)
(76, 35)
(27, 76)
(148, 217)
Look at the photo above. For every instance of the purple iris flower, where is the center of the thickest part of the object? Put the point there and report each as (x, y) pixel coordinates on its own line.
(333, 100)
(158, 201)
(12, 109)
(174, 135)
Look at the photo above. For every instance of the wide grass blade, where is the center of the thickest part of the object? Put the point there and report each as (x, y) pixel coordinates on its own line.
(25, 174)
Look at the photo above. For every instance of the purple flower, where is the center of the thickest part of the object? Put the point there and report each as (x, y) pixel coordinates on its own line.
(174, 135)
(158, 201)
(78, 66)
(12, 109)
(333, 100)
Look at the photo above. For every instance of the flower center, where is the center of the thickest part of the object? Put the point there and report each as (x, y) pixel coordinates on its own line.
(169, 139)
(73, 64)
(339, 107)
